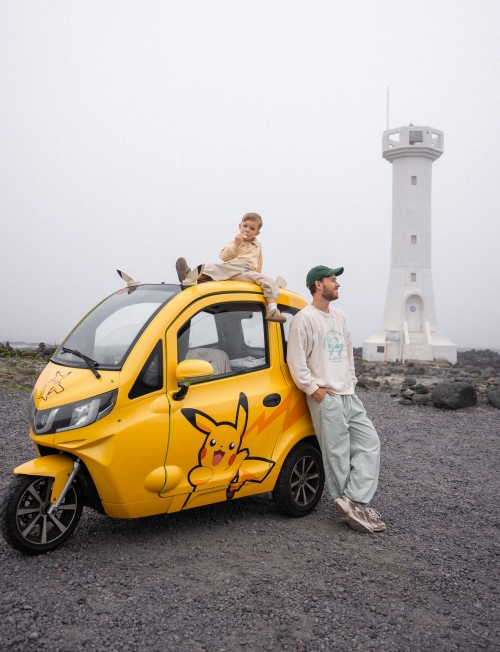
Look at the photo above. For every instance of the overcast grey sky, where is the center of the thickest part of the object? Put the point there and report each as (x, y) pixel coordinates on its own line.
(134, 132)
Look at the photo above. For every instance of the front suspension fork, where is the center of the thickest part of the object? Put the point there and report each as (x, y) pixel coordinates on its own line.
(77, 465)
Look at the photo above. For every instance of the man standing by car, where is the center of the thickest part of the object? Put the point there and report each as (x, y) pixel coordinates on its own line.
(321, 361)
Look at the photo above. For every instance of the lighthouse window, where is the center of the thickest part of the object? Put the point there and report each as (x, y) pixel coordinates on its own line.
(416, 137)
(413, 277)
(380, 349)
(414, 181)
(414, 239)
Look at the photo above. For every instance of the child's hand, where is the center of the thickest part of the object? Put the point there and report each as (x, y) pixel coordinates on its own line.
(239, 239)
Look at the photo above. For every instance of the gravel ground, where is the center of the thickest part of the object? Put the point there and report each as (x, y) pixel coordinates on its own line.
(240, 576)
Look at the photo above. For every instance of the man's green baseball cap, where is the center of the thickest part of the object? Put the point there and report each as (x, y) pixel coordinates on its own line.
(319, 272)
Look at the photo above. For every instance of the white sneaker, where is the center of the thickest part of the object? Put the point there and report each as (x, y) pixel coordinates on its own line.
(373, 517)
(354, 514)
(275, 315)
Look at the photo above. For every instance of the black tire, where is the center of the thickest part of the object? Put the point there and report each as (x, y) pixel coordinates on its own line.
(24, 522)
(300, 482)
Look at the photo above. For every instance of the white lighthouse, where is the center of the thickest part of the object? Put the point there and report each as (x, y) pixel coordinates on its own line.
(409, 329)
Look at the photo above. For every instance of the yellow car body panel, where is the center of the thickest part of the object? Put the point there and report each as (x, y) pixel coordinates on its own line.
(152, 454)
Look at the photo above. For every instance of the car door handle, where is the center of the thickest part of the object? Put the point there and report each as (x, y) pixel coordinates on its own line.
(272, 400)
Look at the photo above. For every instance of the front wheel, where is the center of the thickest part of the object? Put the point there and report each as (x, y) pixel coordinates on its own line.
(24, 521)
(301, 481)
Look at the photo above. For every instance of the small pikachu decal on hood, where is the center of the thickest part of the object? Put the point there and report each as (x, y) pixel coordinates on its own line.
(53, 386)
(221, 458)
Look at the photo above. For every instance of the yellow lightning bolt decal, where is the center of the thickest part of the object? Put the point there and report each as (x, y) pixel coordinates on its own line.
(261, 422)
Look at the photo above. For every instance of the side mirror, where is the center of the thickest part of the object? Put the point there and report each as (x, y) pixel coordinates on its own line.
(191, 371)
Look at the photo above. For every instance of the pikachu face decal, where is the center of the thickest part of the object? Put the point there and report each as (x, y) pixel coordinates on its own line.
(221, 459)
(53, 386)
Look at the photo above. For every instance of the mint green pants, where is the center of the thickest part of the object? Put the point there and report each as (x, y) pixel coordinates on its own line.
(349, 444)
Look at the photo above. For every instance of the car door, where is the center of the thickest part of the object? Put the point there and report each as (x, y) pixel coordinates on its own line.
(223, 432)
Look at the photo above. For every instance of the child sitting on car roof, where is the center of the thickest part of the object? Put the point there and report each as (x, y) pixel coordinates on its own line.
(242, 262)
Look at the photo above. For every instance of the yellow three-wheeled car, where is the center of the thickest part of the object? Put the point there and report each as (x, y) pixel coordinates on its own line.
(162, 399)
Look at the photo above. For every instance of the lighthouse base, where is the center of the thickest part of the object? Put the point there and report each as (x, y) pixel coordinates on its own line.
(401, 346)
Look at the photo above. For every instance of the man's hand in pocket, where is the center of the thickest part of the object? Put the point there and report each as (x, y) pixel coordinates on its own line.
(320, 393)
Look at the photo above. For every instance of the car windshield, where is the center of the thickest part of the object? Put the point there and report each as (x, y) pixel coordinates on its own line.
(108, 333)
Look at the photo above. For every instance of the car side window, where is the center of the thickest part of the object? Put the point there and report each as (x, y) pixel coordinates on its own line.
(231, 336)
(289, 313)
(203, 330)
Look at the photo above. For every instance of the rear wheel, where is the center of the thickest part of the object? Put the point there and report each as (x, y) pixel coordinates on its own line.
(300, 482)
(24, 521)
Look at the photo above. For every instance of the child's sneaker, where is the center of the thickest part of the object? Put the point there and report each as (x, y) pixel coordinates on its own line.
(193, 276)
(182, 269)
(275, 315)
(188, 276)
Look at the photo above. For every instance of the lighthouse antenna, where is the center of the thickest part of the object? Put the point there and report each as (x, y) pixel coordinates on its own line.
(388, 108)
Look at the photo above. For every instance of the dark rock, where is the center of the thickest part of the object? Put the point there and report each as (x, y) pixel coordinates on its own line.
(415, 370)
(407, 393)
(421, 389)
(494, 398)
(405, 401)
(454, 396)
(419, 399)
(411, 381)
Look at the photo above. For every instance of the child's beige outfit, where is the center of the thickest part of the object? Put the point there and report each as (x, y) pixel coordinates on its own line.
(243, 263)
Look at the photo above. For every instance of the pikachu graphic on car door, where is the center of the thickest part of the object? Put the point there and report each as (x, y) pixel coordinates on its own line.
(221, 458)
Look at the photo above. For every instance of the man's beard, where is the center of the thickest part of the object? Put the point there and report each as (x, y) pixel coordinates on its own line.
(329, 295)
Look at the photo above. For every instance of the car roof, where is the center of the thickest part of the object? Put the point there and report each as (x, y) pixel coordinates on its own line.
(287, 297)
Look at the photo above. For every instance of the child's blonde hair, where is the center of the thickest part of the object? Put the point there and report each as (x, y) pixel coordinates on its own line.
(252, 217)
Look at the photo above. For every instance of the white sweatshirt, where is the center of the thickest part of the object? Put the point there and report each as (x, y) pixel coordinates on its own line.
(319, 351)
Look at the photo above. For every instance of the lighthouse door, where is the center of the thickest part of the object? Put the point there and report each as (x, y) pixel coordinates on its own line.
(414, 313)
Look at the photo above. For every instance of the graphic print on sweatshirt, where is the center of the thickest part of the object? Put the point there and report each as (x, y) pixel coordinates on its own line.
(334, 344)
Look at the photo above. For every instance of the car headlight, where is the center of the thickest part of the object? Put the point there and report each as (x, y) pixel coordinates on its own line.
(70, 416)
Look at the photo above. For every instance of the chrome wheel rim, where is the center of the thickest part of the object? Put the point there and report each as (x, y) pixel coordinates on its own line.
(34, 523)
(305, 480)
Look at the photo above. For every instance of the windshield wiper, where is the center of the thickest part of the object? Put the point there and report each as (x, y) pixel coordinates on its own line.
(91, 364)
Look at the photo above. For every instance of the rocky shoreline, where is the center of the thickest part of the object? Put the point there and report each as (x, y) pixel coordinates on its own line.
(40, 351)
(473, 380)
